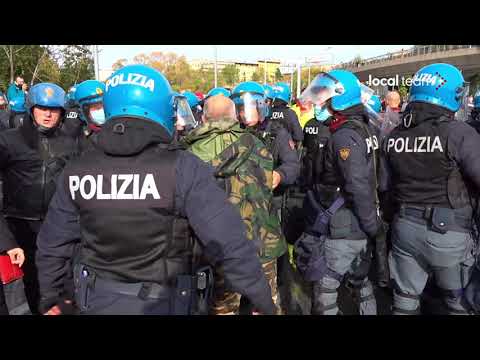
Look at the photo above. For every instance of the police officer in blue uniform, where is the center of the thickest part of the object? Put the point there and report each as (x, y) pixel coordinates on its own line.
(431, 163)
(347, 193)
(282, 113)
(132, 211)
(89, 97)
(31, 159)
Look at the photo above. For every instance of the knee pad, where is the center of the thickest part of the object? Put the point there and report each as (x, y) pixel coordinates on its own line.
(366, 292)
(405, 304)
(324, 300)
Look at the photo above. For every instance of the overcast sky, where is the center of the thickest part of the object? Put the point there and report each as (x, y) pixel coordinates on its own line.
(285, 53)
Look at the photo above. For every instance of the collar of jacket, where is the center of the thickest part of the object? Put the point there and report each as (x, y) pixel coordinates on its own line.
(420, 112)
(356, 112)
(126, 136)
(212, 138)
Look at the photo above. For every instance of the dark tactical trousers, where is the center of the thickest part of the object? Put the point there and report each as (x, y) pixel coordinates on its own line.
(418, 252)
(96, 296)
(343, 257)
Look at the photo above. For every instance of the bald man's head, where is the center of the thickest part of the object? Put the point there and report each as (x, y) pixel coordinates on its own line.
(392, 99)
(218, 107)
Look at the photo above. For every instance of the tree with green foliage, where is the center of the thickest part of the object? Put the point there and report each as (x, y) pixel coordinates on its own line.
(230, 75)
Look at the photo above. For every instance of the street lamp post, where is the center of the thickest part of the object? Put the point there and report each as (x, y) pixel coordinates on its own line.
(215, 64)
(299, 78)
(95, 61)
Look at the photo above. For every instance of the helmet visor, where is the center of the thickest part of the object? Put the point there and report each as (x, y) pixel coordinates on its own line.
(321, 89)
(462, 96)
(184, 119)
(252, 108)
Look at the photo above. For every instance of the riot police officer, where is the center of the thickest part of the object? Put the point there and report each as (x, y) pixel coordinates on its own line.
(135, 208)
(316, 134)
(194, 104)
(474, 119)
(346, 219)
(72, 124)
(89, 97)
(31, 158)
(281, 112)
(429, 163)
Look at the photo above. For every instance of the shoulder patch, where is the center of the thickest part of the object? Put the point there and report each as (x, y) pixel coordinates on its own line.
(344, 153)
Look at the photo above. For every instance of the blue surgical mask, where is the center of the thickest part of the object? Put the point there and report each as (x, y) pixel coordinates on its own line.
(321, 113)
(97, 116)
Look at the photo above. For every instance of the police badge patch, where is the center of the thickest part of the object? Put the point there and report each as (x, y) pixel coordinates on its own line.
(344, 153)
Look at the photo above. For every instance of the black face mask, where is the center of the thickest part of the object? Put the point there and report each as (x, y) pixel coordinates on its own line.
(19, 86)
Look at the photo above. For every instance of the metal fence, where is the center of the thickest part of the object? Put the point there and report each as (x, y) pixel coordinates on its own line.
(414, 51)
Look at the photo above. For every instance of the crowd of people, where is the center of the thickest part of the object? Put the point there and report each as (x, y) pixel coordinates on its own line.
(126, 197)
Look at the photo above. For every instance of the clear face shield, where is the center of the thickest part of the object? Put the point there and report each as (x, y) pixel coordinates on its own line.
(253, 110)
(184, 119)
(321, 89)
(462, 95)
(375, 119)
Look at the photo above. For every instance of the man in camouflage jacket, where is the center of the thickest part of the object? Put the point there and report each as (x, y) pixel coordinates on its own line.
(244, 168)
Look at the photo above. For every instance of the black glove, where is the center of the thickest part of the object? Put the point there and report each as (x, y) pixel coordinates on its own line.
(381, 256)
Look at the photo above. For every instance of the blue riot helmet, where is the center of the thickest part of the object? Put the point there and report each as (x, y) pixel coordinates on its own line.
(321, 113)
(282, 92)
(249, 99)
(439, 84)
(139, 92)
(18, 104)
(270, 95)
(375, 103)
(70, 97)
(218, 91)
(46, 95)
(269, 92)
(340, 87)
(89, 96)
(476, 100)
(182, 112)
(193, 100)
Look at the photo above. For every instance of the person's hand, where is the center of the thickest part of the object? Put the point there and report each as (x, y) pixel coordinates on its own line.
(277, 178)
(292, 144)
(17, 256)
(55, 310)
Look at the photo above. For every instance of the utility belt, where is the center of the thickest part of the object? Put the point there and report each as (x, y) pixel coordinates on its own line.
(438, 219)
(189, 296)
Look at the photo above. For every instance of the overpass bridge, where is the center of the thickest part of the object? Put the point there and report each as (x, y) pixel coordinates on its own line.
(406, 63)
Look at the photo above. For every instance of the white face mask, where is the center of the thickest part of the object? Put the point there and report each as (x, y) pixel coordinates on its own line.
(97, 116)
